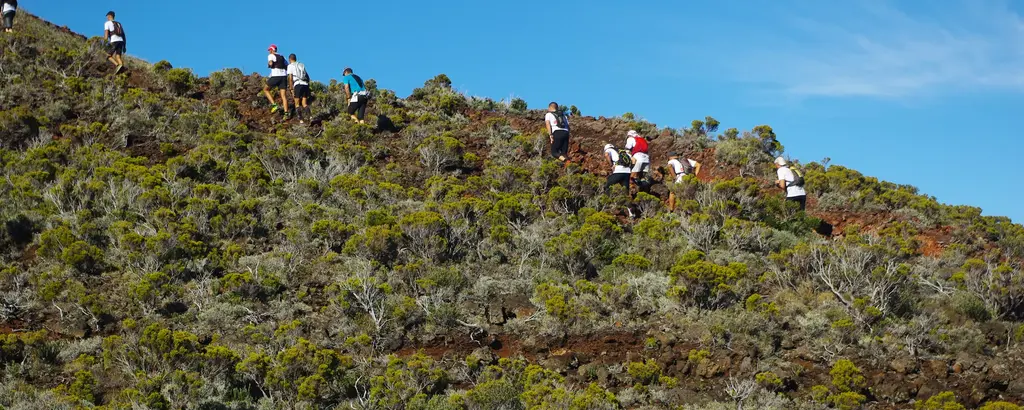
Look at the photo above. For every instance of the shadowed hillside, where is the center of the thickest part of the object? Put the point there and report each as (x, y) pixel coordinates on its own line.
(168, 244)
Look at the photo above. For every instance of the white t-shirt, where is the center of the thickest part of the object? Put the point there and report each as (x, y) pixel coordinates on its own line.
(677, 167)
(640, 156)
(109, 26)
(786, 174)
(619, 169)
(8, 8)
(293, 70)
(553, 120)
(276, 72)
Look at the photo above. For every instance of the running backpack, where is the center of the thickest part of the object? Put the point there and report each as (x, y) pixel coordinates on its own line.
(13, 3)
(561, 121)
(119, 30)
(624, 159)
(300, 72)
(687, 167)
(639, 145)
(279, 62)
(798, 177)
(358, 81)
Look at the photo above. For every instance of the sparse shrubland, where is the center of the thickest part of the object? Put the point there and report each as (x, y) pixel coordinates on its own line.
(166, 244)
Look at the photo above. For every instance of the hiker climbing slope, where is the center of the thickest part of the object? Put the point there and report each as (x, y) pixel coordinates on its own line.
(677, 170)
(113, 33)
(358, 97)
(637, 146)
(621, 167)
(10, 8)
(791, 180)
(558, 131)
(278, 80)
(299, 78)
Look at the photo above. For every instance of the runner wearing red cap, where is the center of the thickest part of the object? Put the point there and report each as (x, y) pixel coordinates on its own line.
(278, 80)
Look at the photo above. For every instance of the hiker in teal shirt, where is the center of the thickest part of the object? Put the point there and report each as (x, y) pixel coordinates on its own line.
(357, 95)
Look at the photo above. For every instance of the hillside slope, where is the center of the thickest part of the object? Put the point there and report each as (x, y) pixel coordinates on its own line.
(166, 243)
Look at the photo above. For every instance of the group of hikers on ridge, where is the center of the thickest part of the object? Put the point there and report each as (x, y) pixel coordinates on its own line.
(292, 75)
(631, 163)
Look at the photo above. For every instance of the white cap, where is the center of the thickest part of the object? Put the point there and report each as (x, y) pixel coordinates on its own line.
(608, 146)
(780, 161)
(632, 133)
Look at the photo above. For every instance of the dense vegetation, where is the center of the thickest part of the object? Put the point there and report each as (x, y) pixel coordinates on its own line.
(166, 245)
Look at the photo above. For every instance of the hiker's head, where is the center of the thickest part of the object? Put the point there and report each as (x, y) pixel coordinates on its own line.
(673, 155)
(272, 48)
(346, 71)
(780, 162)
(292, 58)
(632, 134)
(552, 107)
(608, 147)
(110, 15)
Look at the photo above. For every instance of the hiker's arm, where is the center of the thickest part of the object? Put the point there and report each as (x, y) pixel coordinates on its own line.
(696, 169)
(348, 92)
(291, 85)
(547, 124)
(781, 183)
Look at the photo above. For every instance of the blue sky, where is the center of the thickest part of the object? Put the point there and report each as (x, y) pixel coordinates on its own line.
(925, 92)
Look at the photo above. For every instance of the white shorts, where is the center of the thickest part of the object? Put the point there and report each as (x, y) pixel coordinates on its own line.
(641, 166)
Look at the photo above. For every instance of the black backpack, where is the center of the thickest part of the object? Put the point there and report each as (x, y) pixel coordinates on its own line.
(280, 62)
(561, 121)
(798, 177)
(358, 81)
(624, 159)
(687, 167)
(119, 30)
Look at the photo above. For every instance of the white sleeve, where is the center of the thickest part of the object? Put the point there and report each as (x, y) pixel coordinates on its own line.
(291, 70)
(692, 162)
(630, 142)
(271, 58)
(550, 118)
(108, 26)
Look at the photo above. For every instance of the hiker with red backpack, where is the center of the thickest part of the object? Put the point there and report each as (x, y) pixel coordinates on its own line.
(113, 33)
(10, 8)
(637, 146)
(278, 80)
(558, 132)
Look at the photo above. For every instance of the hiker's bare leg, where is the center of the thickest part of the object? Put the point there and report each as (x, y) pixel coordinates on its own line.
(266, 92)
(284, 100)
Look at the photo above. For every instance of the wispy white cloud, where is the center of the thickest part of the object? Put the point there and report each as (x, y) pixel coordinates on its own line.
(876, 49)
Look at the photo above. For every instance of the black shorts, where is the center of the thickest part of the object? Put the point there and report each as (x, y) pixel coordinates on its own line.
(116, 48)
(280, 83)
(358, 108)
(301, 91)
(801, 200)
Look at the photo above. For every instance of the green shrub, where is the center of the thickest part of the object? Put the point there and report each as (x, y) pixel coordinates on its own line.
(181, 80)
(941, 401)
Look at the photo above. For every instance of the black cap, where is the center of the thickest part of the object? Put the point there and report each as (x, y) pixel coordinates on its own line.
(673, 154)
(111, 13)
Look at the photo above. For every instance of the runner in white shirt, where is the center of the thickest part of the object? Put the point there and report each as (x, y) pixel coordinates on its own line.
(278, 80)
(300, 86)
(558, 132)
(679, 171)
(620, 172)
(795, 193)
(113, 32)
(637, 146)
(10, 9)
